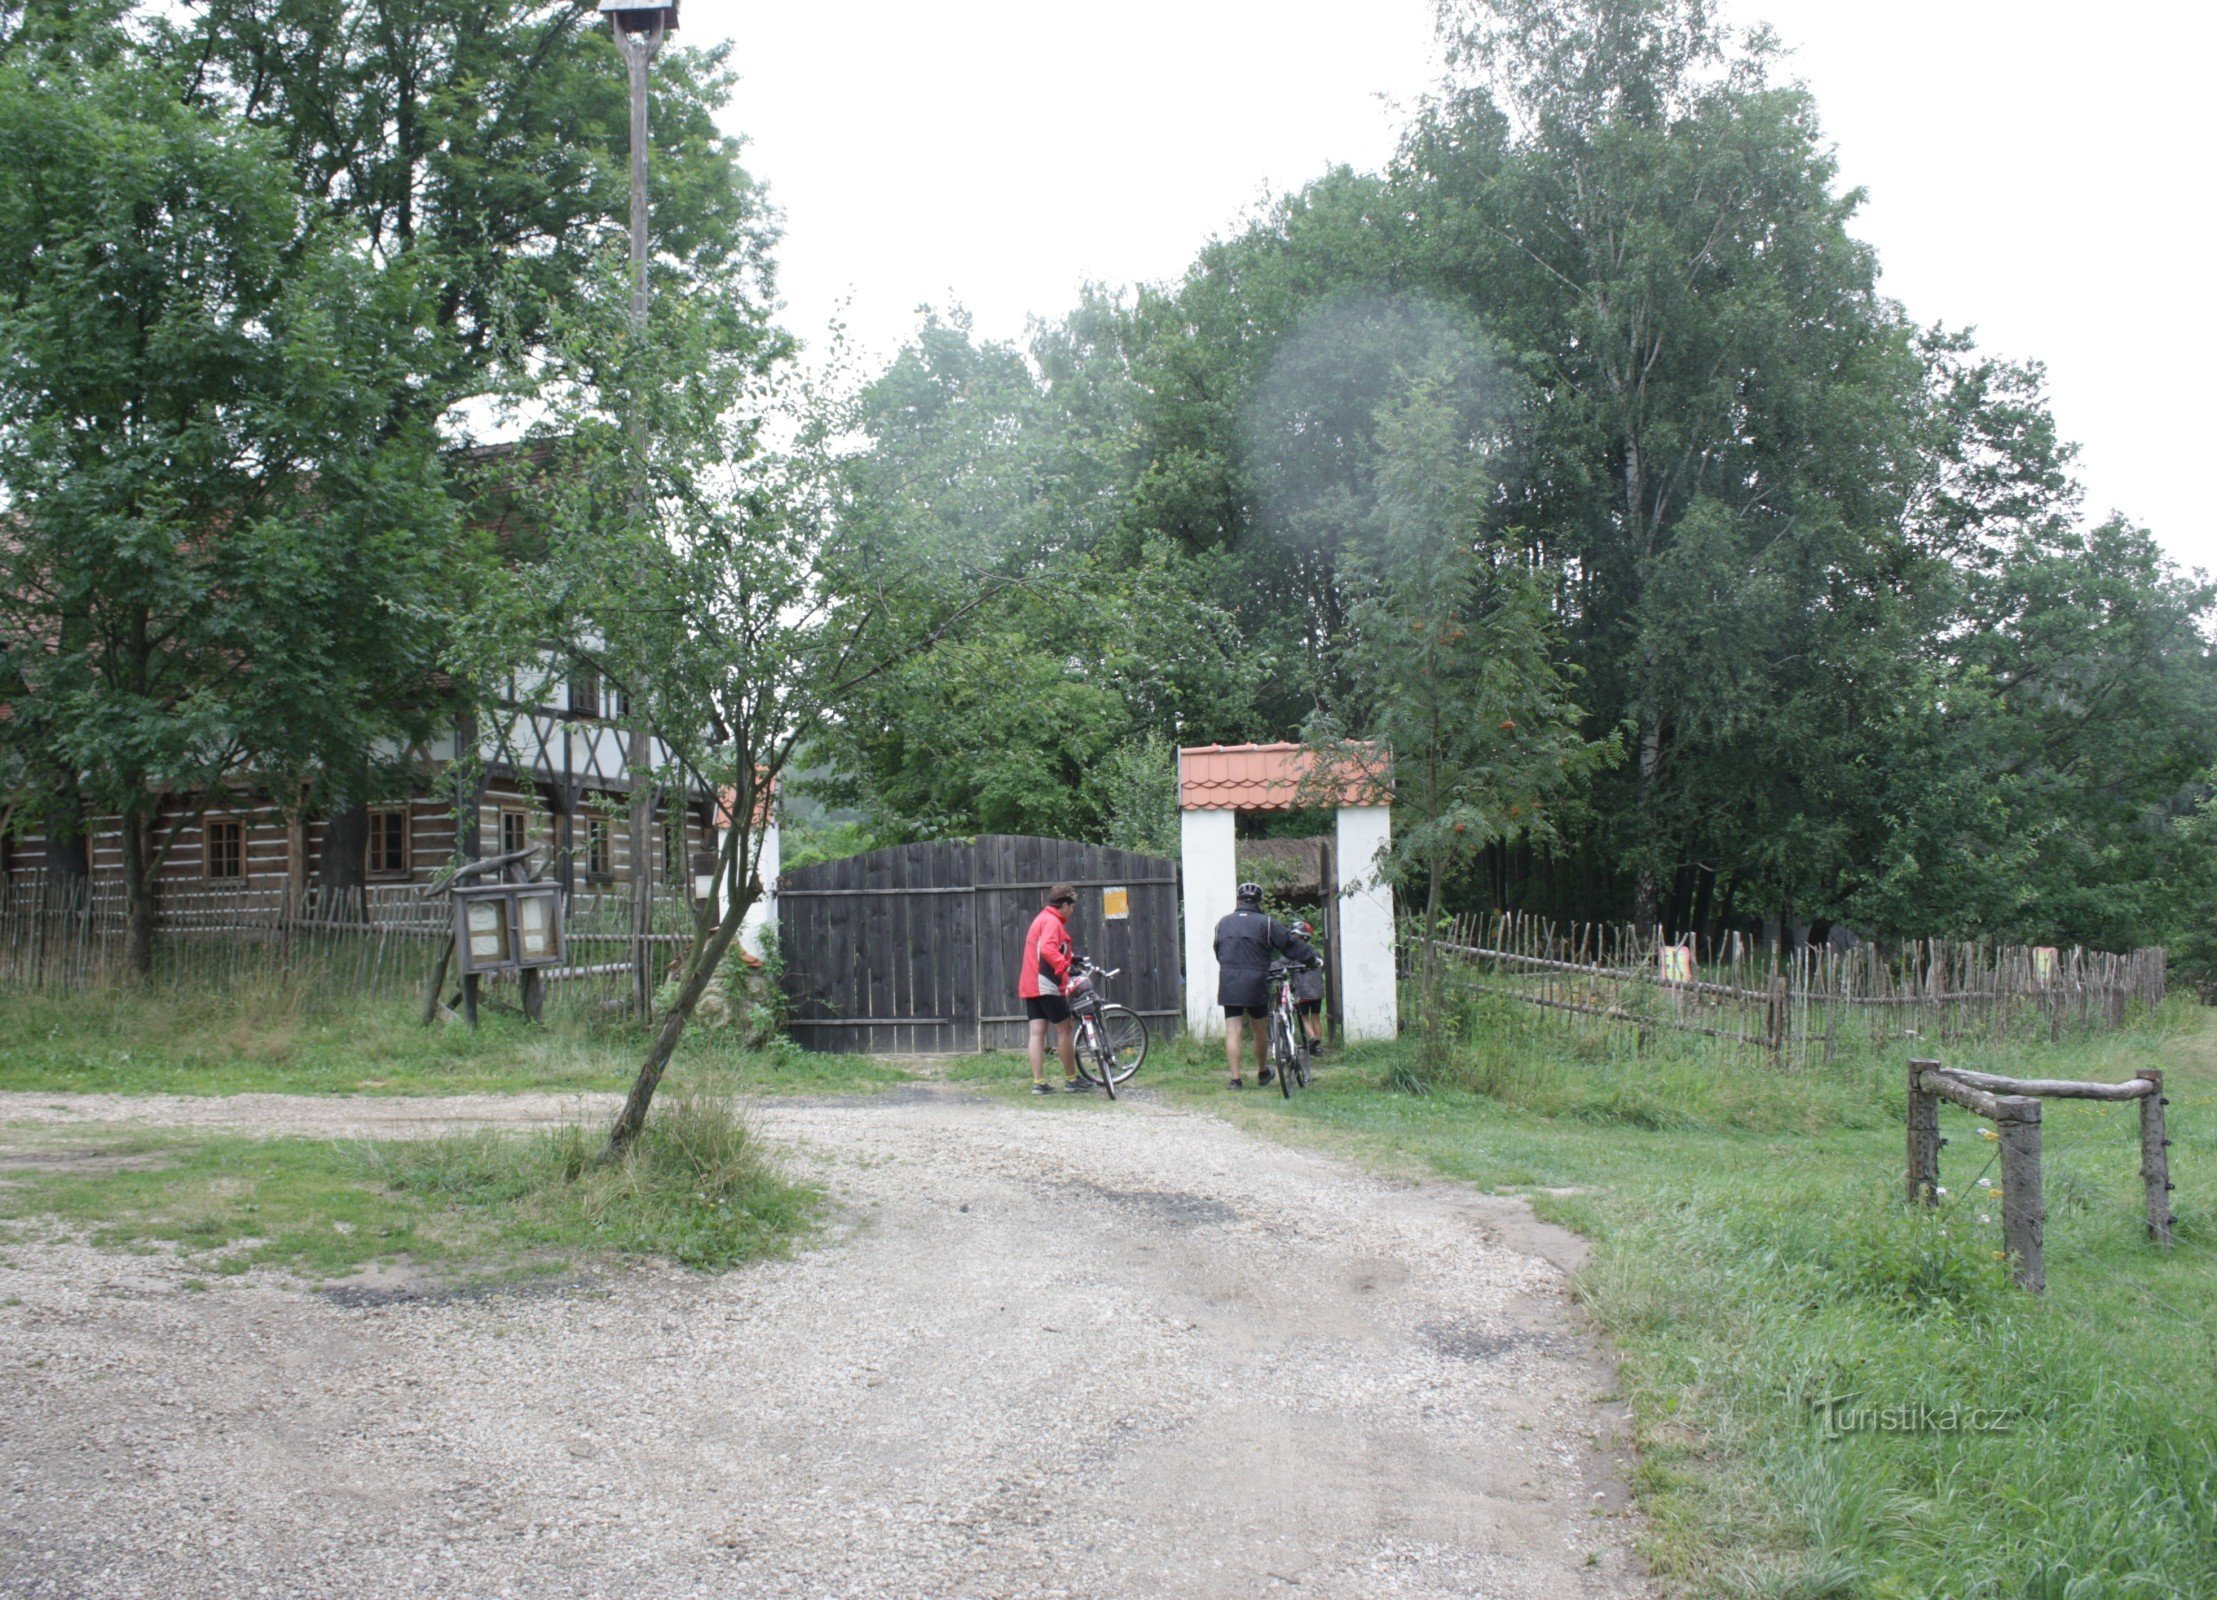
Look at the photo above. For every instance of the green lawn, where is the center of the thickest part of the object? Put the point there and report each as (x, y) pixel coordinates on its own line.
(122, 1043)
(698, 1189)
(1753, 1259)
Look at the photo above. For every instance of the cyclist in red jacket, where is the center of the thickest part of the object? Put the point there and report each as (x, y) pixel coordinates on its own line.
(1040, 981)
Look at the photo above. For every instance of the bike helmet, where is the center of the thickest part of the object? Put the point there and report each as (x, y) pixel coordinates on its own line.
(1250, 891)
(1304, 930)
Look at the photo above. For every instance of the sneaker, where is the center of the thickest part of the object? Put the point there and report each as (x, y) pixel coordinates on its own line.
(1239, 1083)
(1043, 1088)
(1265, 1078)
(1076, 1086)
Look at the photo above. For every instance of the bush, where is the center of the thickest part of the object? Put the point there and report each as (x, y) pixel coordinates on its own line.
(1916, 1259)
(697, 1186)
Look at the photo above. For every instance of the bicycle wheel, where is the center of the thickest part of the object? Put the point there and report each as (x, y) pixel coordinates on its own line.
(1082, 1047)
(1087, 1048)
(1104, 1061)
(1282, 1053)
(1126, 1038)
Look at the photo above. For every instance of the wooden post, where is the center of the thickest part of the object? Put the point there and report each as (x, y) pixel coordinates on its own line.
(2023, 1211)
(1775, 1023)
(2155, 1162)
(1924, 1139)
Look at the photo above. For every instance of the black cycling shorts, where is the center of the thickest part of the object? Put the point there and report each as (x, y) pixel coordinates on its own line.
(1257, 1012)
(1046, 1008)
(1308, 1008)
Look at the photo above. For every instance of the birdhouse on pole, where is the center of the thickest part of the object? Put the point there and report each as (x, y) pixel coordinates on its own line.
(626, 17)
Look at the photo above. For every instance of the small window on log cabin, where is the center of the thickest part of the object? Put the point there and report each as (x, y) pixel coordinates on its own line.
(515, 832)
(585, 691)
(596, 847)
(387, 854)
(226, 838)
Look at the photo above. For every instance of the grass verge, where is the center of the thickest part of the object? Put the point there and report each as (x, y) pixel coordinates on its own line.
(115, 1041)
(698, 1188)
(1804, 1355)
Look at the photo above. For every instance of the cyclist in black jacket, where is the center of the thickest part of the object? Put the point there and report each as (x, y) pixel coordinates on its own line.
(1245, 943)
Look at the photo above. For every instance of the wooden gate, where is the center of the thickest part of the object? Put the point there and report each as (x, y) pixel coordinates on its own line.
(914, 950)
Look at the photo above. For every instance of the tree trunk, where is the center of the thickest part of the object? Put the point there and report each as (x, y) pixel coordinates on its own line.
(68, 853)
(1431, 1037)
(700, 969)
(138, 895)
(1705, 890)
(1651, 760)
(345, 855)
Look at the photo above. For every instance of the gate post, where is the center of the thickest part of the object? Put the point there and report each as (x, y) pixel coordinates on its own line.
(1371, 1003)
(2155, 1161)
(1924, 1138)
(2023, 1210)
(1210, 845)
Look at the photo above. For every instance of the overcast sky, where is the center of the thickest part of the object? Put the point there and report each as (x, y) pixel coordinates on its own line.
(2041, 171)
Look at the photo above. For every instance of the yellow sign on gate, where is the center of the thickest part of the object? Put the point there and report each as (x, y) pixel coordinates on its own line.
(1116, 904)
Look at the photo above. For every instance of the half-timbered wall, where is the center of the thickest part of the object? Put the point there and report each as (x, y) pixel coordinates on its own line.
(556, 753)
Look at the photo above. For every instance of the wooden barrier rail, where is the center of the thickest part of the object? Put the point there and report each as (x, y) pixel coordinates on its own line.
(1797, 1004)
(2013, 1106)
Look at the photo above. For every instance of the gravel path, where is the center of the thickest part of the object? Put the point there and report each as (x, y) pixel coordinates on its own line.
(1044, 1350)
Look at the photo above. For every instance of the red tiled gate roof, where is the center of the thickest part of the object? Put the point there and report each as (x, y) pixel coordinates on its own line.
(1278, 777)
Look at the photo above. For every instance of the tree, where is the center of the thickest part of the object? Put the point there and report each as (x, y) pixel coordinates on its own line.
(1649, 218)
(219, 547)
(1019, 725)
(742, 607)
(485, 143)
(1450, 651)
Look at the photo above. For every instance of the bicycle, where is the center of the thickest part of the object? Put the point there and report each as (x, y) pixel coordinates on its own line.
(1289, 1054)
(1112, 1040)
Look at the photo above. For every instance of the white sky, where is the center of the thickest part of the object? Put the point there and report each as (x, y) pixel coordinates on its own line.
(2041, 171)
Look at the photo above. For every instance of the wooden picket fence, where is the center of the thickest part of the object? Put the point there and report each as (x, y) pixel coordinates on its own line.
(377, 942)
(1810, 1003)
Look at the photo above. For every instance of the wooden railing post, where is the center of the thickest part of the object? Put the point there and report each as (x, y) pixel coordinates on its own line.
(2023, 1211)
(2155, 1160)
(1924, 1139)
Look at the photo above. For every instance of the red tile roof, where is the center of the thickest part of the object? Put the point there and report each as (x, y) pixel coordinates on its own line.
(765, 800)
(1278, 777)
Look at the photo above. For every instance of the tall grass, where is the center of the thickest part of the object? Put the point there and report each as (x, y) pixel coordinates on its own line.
(1754, 1262)
(698, 1188)
(269, 1038)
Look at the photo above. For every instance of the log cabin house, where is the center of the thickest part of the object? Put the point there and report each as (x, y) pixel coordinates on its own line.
(555, 773)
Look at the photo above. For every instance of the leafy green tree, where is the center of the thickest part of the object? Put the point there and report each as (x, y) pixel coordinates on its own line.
(1642, 211)
(1451, 652)
(738, 602)
(485, 142)
(219, 549)
(1020, 725)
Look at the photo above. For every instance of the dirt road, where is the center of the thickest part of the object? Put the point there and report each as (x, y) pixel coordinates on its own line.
(1043, 1349)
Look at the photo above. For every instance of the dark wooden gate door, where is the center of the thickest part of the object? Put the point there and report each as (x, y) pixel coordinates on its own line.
(915, 949)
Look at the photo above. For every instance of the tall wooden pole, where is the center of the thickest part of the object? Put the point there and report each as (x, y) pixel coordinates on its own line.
(2155, 1160)
(1924, 1138)
(639, 48)
(2024, 1211)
